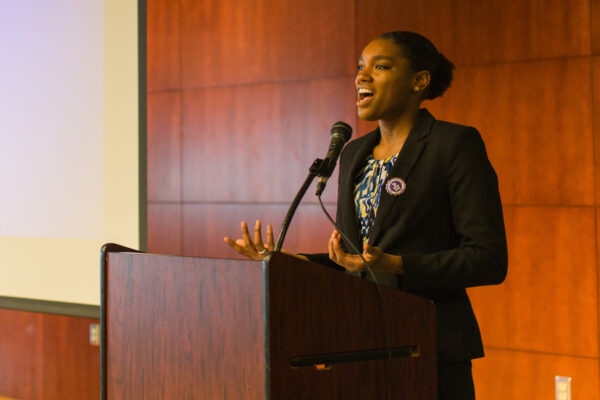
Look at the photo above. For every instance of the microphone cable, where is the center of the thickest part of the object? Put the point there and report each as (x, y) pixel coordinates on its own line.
(384, 312)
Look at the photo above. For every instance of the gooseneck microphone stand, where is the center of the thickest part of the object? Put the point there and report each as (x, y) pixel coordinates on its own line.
(313, 172)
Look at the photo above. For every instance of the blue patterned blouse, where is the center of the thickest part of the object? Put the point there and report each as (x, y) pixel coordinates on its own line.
(369, 182)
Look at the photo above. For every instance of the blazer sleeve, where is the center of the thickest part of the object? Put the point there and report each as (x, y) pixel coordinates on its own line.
(480, 256)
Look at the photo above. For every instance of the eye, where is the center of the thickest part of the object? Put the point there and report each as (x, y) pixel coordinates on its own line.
(380, 66)
(360, 67)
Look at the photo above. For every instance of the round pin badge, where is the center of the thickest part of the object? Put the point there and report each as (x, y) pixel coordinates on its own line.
(395, 186)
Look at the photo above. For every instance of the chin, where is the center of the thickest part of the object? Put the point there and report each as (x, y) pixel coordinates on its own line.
(366, 116)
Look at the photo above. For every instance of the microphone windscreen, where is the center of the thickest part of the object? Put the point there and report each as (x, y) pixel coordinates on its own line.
(343, 129)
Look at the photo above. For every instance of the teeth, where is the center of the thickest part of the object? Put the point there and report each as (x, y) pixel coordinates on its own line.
(364, 91)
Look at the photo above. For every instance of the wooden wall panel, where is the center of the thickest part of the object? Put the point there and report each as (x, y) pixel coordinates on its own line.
(255, 143)
(70, 363)
(595, 21)
(236, 41)
(507, 374)
(163, 37)
(47, 357)
(596, 120)
(164, 146)
(205, 226)
(548, 302)
(262, 82)
(164, 228)
(476, 32)
(535, 118)
(18, 349)
(227, 142)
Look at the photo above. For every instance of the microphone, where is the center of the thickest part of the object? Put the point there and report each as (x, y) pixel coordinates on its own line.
(340, 134)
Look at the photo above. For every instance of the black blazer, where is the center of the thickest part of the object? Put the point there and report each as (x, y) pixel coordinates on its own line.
(447, 225)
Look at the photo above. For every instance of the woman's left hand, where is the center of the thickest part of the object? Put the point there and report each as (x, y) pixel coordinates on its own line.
(375, 257)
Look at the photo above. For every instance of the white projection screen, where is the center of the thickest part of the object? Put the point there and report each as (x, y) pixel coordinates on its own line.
(69, 143)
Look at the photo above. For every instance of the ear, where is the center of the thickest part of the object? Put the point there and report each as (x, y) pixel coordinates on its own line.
(420, 81)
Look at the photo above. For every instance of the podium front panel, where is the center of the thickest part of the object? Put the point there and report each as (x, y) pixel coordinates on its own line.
(315, 310)
(183, 328)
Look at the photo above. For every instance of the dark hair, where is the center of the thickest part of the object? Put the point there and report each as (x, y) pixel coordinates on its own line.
(423, 55)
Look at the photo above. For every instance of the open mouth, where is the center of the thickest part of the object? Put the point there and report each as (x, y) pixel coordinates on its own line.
(364, 95)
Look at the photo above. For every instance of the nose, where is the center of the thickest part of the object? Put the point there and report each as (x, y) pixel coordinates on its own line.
(363, 75)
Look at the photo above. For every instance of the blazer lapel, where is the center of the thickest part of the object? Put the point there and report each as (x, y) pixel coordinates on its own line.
(408, 157)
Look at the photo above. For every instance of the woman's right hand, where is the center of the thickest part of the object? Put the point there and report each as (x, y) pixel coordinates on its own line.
(256, 249)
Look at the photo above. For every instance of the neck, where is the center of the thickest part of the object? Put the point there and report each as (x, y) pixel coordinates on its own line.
(396, 131)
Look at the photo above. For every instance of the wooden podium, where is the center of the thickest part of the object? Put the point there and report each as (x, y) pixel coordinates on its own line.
(197, 328)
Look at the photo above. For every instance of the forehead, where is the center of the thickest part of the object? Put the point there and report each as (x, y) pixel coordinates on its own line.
(381, 48)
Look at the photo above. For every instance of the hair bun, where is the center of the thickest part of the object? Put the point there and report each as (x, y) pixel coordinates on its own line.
(441, 78)
(423, 56)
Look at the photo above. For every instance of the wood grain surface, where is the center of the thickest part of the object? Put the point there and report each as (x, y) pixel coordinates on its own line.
(47, 357)
(595, 21)
(596, 120)
(164, 147)
(252, 87)
(254, 143)
(163, 44)
(165, 228)
(484, 32)
(238, 42)
(509, 374)
(316, 310)
(538, 133)
(205, 226)
(190, 328)
(166, 316)
(549, 301)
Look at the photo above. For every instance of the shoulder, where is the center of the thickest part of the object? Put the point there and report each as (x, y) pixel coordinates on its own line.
(456, 141)
(451, 133)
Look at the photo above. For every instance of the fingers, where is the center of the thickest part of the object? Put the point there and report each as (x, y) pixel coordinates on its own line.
(332, 255)
(368, 249)
(339, 254)
(258, 243)
(351, 262)
(246, 236)
(240, 247)
(270, 241)
(252, 247)
(233, 244)
(374, 256)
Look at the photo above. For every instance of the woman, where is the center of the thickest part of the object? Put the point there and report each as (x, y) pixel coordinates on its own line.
(419, 196)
